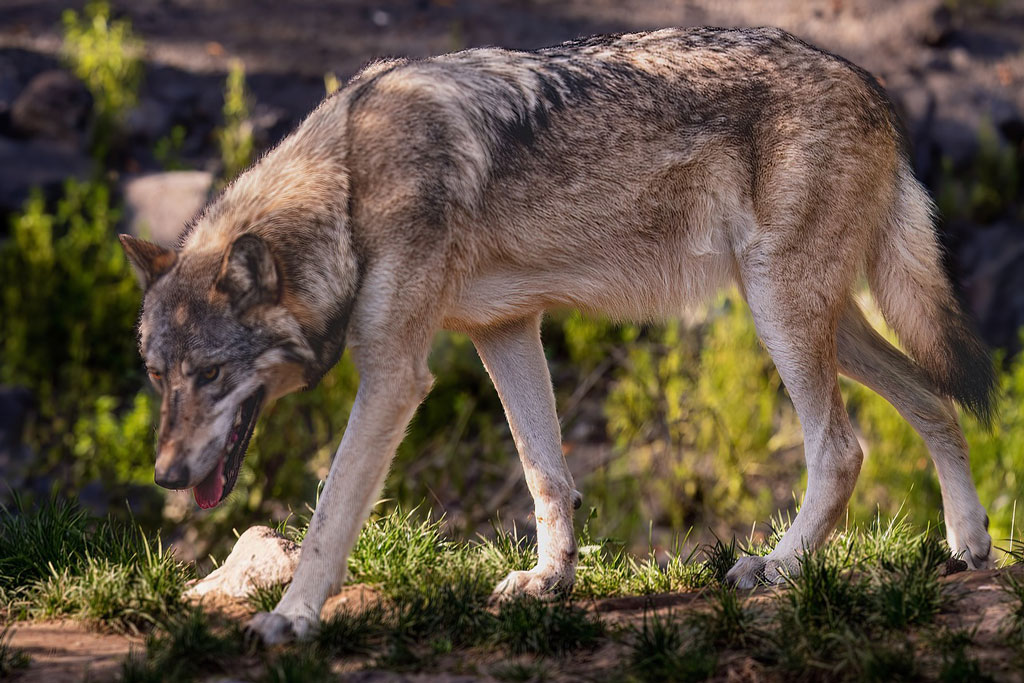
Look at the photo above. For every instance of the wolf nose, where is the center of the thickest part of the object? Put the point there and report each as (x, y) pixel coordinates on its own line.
(174, 476)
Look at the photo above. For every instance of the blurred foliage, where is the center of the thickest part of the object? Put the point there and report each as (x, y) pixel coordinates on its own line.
(104, 54)
(235, 137)
(331, 83)
(686, 446)
(168, 149)
(988, 187)
(69, 307)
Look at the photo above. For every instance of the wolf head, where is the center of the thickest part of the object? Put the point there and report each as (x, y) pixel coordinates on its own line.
(218, 344)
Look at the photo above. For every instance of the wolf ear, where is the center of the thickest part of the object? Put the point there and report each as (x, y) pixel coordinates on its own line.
(249, 273)
(149, 260)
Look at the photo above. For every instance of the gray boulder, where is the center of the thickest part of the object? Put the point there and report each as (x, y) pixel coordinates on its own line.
(158, 205)
(54, 106)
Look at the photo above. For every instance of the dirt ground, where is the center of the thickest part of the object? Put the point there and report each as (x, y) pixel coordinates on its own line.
(70, 652)
(66, 651)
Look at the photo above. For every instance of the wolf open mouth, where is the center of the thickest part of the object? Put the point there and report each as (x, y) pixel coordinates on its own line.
(221, 480)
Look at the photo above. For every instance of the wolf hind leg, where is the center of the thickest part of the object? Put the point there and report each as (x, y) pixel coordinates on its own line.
(514, 358)
(798, 326)
(866, 357)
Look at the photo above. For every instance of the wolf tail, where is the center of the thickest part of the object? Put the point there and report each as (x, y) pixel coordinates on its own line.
(909, 282)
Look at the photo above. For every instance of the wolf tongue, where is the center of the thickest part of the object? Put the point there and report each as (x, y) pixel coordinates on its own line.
(209, 491)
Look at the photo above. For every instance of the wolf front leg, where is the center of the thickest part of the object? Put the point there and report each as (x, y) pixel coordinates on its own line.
(390, 389)
(514, 358)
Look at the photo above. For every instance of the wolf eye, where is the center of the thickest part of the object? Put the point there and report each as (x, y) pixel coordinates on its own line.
(155, 376)
(207, 375)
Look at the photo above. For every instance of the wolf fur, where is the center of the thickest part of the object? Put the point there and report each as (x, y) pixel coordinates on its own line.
(629, 175)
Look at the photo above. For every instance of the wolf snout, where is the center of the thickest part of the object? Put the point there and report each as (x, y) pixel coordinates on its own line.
(175, 475)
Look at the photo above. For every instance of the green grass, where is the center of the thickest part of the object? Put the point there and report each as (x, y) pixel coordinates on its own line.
(530, 626)
(1014, 626)
(958, 666)
(265, 598)
(298, 667)
(662, 649)
(185, 647)
(56, 560)
(849, 614)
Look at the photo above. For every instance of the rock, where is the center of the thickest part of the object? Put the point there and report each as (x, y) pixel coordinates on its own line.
(989, 262)
(261, 557)
(54, 106)
(158, 205)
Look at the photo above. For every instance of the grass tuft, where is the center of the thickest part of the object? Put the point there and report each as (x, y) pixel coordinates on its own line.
(453, 612)
(658, 652)
(824, 596)
(728, 624)
(958, 666)
(184, 647)
(532, 626)
(303, 666)
(353, 633)
(264, 598)
(909, 592)
(720, 558)
(1014, 624)
(56, 560)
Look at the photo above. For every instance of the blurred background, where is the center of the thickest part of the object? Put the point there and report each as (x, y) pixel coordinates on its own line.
(130, 115)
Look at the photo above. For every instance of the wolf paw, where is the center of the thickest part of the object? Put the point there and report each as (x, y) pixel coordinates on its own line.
(975, 550)
(538, 583)
(752, 571)
(969, 540)
(271, 628)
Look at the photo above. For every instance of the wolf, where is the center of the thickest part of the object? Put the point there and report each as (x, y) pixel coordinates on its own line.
(629, 175)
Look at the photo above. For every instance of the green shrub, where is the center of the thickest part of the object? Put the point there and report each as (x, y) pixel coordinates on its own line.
(698, 417)
(69, 304)
(989, 187)
(235, 137)
(104, 54)
(167, 149)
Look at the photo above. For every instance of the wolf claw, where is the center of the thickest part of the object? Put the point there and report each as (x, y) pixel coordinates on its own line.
(271, 628)
(753, 571)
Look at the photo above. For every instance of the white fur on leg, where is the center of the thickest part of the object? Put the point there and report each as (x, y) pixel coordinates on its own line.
(555, 572)
(514, 358)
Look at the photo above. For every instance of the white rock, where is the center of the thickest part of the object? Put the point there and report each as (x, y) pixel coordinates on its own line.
(158, 205)
(261, 557)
